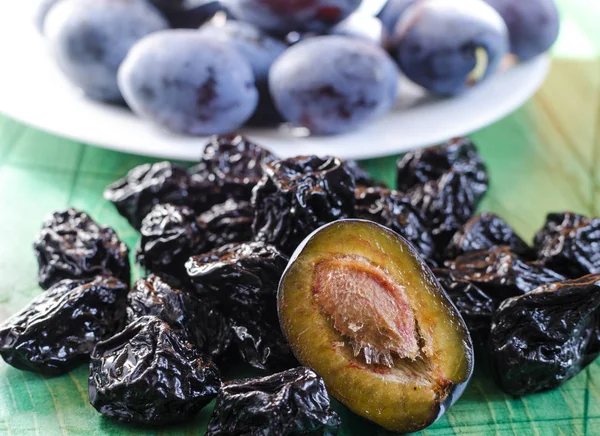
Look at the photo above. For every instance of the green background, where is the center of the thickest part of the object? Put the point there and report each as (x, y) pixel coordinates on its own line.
(542, 158)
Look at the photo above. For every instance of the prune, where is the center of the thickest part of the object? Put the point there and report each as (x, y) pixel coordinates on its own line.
(359, 306)
(486, 231)
(445, 184)
(362, 179)
(500, 273)
(356, 81)
(72, 246)
(42, 7)
(90, 38)
(475, 306)
(188, 83)
(229, 167)
(150, 374)
(170, 236)
(542, 339)
(568, 243)
(391, 14)
(226, 223)
(447, 47)
(57, 331)
(533, 25)
(361, 26)
(299, 195)
(188, 14)
(147, 185)
(289, 16)
(241, 280)
(204, 326)
(392, 210)
(292, 402)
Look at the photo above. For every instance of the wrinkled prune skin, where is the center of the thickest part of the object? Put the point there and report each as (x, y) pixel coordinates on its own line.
(240, 280)
(229, 167)
(540, 340)
(170, 236)
(292, 402)
(445, 184)
(203, 325)
(392, 210)
(299, 195)
(362, 179)
(73, 246)
(568, 243)
(57, 331)
(500, 273)
(147, 185)
(486, 231)
(226, 223)
(150, 374)
(475, 306)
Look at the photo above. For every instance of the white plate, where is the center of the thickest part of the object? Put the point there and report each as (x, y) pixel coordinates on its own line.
(33, 91)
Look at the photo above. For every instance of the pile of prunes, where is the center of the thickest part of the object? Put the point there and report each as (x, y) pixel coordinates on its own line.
(215, 241)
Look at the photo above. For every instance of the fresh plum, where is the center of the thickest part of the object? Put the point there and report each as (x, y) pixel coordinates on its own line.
(189, 83)
(392, 12)
(187, 14)
(332, 84)
(90, 38)
(449, 46)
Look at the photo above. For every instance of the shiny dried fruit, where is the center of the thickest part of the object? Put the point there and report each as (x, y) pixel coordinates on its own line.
(148, 185)
(486, 231)
(57, 331)
(206, 327)
(170, 236)
(226, 223)
(500, 273)
(475, 306)
(240, 280)
(359, 306)
(292, 402)
(72, 246)
(150, 374)
(568, 243)
(392, 210)
(299, 195)
(542, 339)
(230, 167)
(445, 184)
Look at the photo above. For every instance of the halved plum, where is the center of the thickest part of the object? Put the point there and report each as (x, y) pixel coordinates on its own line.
(359, 306)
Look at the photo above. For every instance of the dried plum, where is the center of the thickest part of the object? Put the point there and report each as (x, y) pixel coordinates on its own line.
(206, 327)
(486, 231)
(230, 167)
(500, 273)
(359, 306)
(226, 223)
(57, 331)
(290, 403)
(150, 374)
(72, 246)
(568, 243)
(240, 280)
(542, 339)
(392, 210)
(361, 177)
(445, 184)
(299, 195)
(170, 236)
(475, 306)
(148, 185)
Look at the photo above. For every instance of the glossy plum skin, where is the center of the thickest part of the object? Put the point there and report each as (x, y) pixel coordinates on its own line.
(187, 14)
(355, 82)
(188, 83)
(90, 38)
(392, 12)
(278, 16)
(446, 46)
(533, 25)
